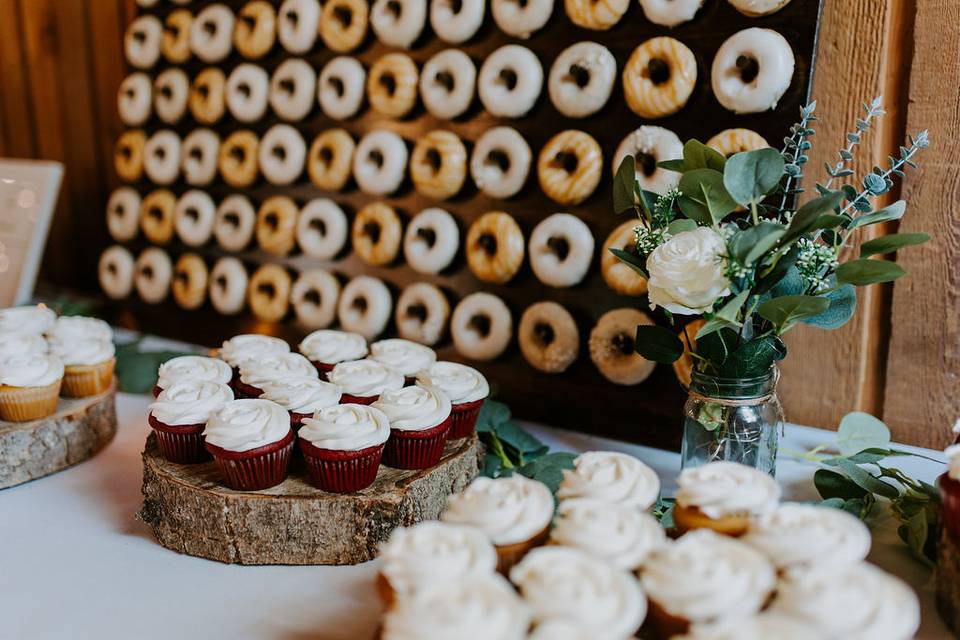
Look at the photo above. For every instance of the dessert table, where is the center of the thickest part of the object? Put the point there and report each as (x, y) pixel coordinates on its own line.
(74, 562)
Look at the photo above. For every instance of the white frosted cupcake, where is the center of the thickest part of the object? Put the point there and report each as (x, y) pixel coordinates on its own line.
(180, 414)
(419, 425)
(29, 386)
(343, 445)
(564, 630)
(301, 396)
(14, 345)
(250, 346)
(327, 348)
(467, 389)
(723, 496)
(612, 477)
(362, 381)
(68, 327)
(251, 441)
(88, 365)
(192, 368)
(620, 535)
(35, 319)
(405, 356)
(271, 368)
(768, 625)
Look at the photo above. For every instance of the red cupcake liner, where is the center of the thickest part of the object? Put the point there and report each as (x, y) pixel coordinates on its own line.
(416, 449)
(322, 369)
(464, 418)
(346, 398)
(256, 469)
(950, 496)
(182, 444)
(341, 471)
(296, 419)
(245, 390)
(156, 391)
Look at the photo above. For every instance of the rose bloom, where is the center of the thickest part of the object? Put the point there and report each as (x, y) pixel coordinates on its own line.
(686, 272)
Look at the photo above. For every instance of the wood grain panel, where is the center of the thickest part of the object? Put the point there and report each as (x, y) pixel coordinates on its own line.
(16, 110)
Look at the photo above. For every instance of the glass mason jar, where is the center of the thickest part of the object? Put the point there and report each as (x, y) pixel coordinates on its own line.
(734, 419)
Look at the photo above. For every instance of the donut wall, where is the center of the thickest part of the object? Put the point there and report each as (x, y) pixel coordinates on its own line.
(411, 168)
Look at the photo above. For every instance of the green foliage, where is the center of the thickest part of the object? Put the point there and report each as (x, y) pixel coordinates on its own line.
(136, 369)
(658, 344)
(623, 185)
(751, 175)
(704, 198)
(696, 155)
(865, 271)
(894, 212)
(786, 311)
(726, 317)
(631, 260)
(891, 243)
(859, 431)
(843, 303)
(752, 243)
(754, 357)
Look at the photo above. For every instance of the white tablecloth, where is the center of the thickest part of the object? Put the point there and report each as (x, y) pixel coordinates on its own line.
(74, 563)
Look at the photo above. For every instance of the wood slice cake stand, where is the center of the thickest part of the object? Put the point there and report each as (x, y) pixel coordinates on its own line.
(78, 430)
(191, 512)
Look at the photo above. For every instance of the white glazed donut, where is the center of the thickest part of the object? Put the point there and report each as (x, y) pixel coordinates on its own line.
(246, 92)
(670, 13)
(398, 23)
(500, 162)
(456, 21)
(582, 79)
(341, 87)
(520, 18)
(422, 313)
(481, 326)
(447, 83)
(115, 272)
(234, 222)
(561, 250)
(171, 90)
(650, 145)
(123, 214)
(297, 23)
(510, 81)
(193, 217)
(141, 43)
(314, 298)
(365, 306)
(135, 99)
(752, 70)
(228, 286)
(293, 88)
(431, 241)
(282, 154)
(211, 34)
(198, 156)
(757, 8)
(322, 229)
(379, 163)
(152, 274)
(161, 157)
(146, 4)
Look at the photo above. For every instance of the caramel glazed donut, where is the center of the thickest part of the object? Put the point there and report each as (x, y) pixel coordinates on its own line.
(276, 225)
(175, 43)
(659, 77)
(392, 85)
(431, 241)
(582, 79)
(598, 15)
(156, 216)
(649, 146)
(481, 326)
(438, 165)
(170, 93)
(495, 247)
(255, 33)
(330, 158)
(422, 313)
(569, 167)
(613, 347)
(618, 276)
(376, 234)
(561, 249)
(268, 293)
(207, 96)
(343, 25)
(314, 298)
(364, 307)
(228, 286)
(128, 155)
(548, 336)
(732, 141)
(752, 70)
(189, 285)
(238, 159)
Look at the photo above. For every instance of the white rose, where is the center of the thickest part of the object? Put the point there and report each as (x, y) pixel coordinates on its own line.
(686, 272)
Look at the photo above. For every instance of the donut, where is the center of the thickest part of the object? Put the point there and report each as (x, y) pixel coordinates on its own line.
(733, 141)
(298, 25)
(175, 41)
(684, 365)
(123, 214)
(376, 234)
(447, 83)
(268, 293)
(128, 155)
(152, 274)
(757, 8)
(247, 92)
(147, 3)
(561, 250)
(211, 34)
(752, 70)
(276, 225)
(135, 99)
(293, 89)
(314, 298)
(569, 167)
(495, 247)
(207, 99)
(500, 162)
(161, 157)
(189, 285)
(115, 272)
(548, 336)
(330, 159)
(659, 77)
(670, 13)
(343, 25)
(364, 307)
(238, 159)
(233, 223)
(481, 326)
(171, 90)
(616, 274)
(438, 165)
(156, 216)
(321, 229)
(581, 79)
(431, 241)
(228, 286)
(510, 80)
(198, 157)
(193, 217)
(598, 15)
(392, 85)
(521, 18)
(398, 23)
(256, 29)
(340, 87)
(380, 162)
(613, 347)
(422, 313)
(649, 146)
(456, 21)
(141, 43)
(282, 154)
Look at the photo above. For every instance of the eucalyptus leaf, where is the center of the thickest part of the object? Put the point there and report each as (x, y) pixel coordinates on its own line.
(751, 175)
(753, 242)
(891, 243)
(680, 225)
(704, 197)
(521, 441)
(754, 358)
(786, 311)
(843, 304)
(491, 465)
(791, 284)
(859, 431)
(807, 216)
(631, 260)
(658, 344)
(492, 415)
(894, 212)
(781, 270)
(717, 346)
(867, 481)
(623, 185)
(866, 271)
(831, 484)
(548, 469)
(676, 164)
(697, 155)
(726, 317)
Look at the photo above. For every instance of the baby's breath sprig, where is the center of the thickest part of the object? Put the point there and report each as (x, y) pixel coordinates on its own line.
(649, 239)
(664, 208)
(814, 260)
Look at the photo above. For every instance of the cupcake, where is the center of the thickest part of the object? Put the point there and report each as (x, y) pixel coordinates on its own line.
(611, 477)
(301, 396)
(192, 368)
(180, 414)
(362, 381)
(343, 445)
(72, 327)
(723, 496)
(465, 386)
(405, 356)
(30, 319)
(250, 346)
(763, 626)
(563, 629)
(326, 348)
(251, 441)
(419, 425)
(14, 345)
(270, 368)
(515, 513)
(88, 365)
(949, 484)
(29, 386)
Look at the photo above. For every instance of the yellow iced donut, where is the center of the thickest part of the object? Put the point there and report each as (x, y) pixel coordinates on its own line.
(277, 225)
(616, 274)
(733, 141)
(376, 233)
(157, 216)
(128, 155)
(343, 24)
(330, 159)
(207, 96)
(438, 165)
(268, 293)
(598, 15)
(659, 77)
(189, 285)
(175, 42)
(238, 159)
(255, 30)
(569, 167)
(392, 85)
(495, 247)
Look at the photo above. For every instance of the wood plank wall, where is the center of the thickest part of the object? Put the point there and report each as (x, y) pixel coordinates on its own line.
(61, 62)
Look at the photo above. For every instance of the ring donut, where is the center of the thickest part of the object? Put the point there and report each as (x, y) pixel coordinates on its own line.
(128, 155)
(659, 77)
(193, 217)
(234, 222)
(616, 274)
(431, 241)
(456, 21)
(343, 24)
(161, 157)
(211, 34)
(247, 92)
(314, 298)
(207, 96)
(189, 285)
(364, 307)
(521, 18)
(670, 13)
(481, 326)
(282, 154)
(115, 272)
(447, 83)
(135, 99)
(613, 347)
(228, 286)
(256, 29)
(198, 157)
(152, 274)
(752, 70)
(276, 225)
(293, 89)
(268, 293)
(171, 90)
(548, 336)
(757, 8)
(650, 145)
(392, 85)
(510, 81)
(341, 86)
(438, 165)
(581, 79)
(500, 162)
(598, 15)
(123, 214)
(561, 250)
(156, 216)
(733, 141)
(321, 229)
(146, 3)
(398, 23)
(376, 234)
(569, 167)
(380, 162)
(238, 159)
(298, 25)
(141, 43)
(495, 247)
(330, 159)
(422, 313)
(175, 42)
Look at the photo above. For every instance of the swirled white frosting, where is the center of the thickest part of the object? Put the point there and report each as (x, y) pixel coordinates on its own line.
(414, 408)
(461, 383)
(82, 351)
(704, 577)
(563, 630)
(70, 327)
(406, 356)
(365, 378)
(611, 477)
(768, 625)
(190, 402)
(435, 552)
(719, 489)
(509, 510)
(251, 346)
(274, 368)
(241, 425)
(301, 394)
(346, 427)
(330, 347)
(565, 583)
(622, 535)
(953, 459)
(31, 370)
(19, 344)
(472, 608)
(37, 319)
(193, 368)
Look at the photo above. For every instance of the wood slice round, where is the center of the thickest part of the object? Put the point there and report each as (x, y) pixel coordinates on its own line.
(78, 430)
(191, 512)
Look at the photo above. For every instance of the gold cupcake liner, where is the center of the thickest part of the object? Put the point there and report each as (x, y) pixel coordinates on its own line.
(510, 554)
(22, 404)
(81, 381)
(689, 518)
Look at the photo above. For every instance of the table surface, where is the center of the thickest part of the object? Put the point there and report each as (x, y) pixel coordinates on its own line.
(75, 563)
